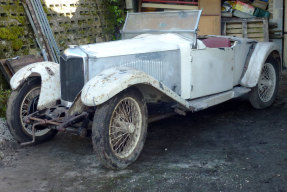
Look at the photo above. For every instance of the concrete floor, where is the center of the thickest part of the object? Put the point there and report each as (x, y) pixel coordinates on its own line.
(229, 147)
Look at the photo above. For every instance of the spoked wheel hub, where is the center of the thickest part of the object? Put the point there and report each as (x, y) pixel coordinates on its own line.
(267, 82)
(28, 106)
(125, 127)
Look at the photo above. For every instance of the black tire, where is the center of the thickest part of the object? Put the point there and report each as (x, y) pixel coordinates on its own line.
(255, 99)
(14, 113)
(106, 117)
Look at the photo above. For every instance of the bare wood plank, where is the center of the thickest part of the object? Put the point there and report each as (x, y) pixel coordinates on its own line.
(255, 25)
(255, 30)
(259, 39)
(252, 35)
(249, 25)
(169, 6)
(236, 35)
(210, 7)
(232, 20)
(230, 31)
(209, 25)
(233, 26)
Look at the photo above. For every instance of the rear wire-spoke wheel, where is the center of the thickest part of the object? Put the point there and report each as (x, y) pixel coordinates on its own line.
(21, 103)
(264, 94)
(119, 129)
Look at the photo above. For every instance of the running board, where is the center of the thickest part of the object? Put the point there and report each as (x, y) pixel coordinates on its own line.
(208, 101)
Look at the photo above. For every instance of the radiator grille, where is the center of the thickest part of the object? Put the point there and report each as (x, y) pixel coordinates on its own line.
(151, 67)
(72, 77)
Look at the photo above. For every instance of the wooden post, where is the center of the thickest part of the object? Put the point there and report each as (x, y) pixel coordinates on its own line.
(244, 29)
(285, 35)
(266, 30)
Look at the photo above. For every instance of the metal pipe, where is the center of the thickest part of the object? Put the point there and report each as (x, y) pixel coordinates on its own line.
(33, 136)
(45, 27)
(41, 28)
(49, 30)
(35, 32)
(160, 117)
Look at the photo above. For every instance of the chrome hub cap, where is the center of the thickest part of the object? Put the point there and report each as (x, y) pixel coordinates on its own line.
(267, 82)
(125, 127)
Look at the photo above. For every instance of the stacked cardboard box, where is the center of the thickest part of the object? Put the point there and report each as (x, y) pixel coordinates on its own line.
(260, 4)
(247, 9)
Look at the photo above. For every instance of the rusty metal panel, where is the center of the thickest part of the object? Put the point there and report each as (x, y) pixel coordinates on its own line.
(10, 66)
(5, 70)
(15, 64)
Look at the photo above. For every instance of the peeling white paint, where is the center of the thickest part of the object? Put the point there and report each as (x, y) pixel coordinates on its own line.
(50, 79)
(112, 81)
(257, 60)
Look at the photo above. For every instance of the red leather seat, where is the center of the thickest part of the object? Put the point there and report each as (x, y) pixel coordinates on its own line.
(216, 42)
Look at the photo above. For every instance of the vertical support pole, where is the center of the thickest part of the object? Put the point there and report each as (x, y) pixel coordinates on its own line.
(266, 30)
(244, 28)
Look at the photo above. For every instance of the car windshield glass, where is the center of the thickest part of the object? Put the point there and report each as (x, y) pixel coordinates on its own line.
(170, 21)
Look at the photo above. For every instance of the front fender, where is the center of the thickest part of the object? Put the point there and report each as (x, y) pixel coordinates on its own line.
(260, 54)
(50, 81)
(112, 81)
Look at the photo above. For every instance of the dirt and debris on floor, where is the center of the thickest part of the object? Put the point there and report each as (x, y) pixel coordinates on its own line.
(8, 146)
(229, 147)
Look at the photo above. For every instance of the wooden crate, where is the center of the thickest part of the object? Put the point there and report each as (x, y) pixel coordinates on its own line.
(253, 28)
(10, 66)
(209, 23)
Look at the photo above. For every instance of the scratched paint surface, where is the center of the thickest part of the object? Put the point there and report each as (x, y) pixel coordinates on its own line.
(258, 58)
(50, 81)
(114, 80)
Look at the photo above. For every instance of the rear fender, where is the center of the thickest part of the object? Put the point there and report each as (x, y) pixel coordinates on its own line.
(50, 81)
(112, 81)
(260, 54)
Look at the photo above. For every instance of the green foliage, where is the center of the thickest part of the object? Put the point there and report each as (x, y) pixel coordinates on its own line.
(17, 44)
(115, 17)
(4, 95)
(11, 33)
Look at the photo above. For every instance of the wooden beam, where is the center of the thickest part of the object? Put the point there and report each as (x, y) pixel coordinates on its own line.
(168, 6)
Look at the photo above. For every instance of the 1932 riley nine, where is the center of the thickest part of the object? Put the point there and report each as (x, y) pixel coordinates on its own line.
(111, 85)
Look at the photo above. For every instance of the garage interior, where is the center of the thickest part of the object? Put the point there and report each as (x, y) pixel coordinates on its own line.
(261, 20)
(226, 148)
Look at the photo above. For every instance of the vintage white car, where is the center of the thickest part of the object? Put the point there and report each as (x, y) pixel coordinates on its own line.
(112, 86)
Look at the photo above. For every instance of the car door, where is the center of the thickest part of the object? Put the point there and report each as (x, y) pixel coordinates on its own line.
(212, 71)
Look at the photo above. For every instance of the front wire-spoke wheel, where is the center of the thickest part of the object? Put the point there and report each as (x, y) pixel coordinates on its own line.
(264, 94)
(125, 126)
(21, 103)
(29, 106)
(119, 129)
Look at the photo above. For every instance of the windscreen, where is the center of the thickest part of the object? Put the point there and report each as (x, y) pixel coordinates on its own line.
(171, 21)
